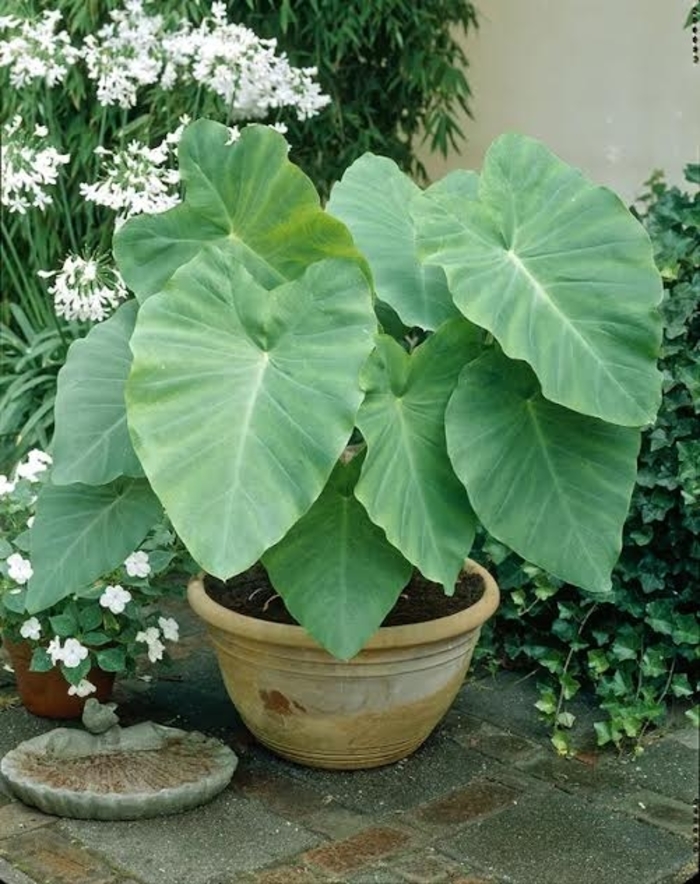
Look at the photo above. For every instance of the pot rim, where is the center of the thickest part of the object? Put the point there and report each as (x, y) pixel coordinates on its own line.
(408, 635)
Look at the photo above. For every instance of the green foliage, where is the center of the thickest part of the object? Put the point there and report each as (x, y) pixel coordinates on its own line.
(251, 374)
(395, 71)
(636, 649)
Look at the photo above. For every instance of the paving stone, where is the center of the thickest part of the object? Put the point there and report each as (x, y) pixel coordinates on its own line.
(425, 866)
(10, 875)
(688, 736)
(478, 799)
(341, 857)
(489, 740)
(50, 857)
(337, 822)
(659, 810)
(573, 775)
(281, 794)
(286, 875)
(16, 818)
(668, 767)
(226, 837)
(439, 766)
(561, 839)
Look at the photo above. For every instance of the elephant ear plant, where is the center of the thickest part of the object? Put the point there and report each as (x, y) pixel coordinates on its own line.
(490, 344)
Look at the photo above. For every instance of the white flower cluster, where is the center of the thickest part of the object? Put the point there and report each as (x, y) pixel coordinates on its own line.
(232, 61)
(138, 179)
(125, 54)
(136, 49)
(28, 167)
(19, 569)
(34, 50)
(151, 637)
(36, 462)
(85, 288)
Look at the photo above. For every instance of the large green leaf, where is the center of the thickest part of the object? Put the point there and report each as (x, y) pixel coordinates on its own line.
(91, 444)
(335, 570)
(82, 532)
(552, 484)
(372, 198)
(248, 195)
(560, 273)
(241, 400)
(408, 486)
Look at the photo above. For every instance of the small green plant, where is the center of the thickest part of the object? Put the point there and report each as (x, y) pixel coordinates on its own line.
(636, 650)
(112, 623)
(228, 390)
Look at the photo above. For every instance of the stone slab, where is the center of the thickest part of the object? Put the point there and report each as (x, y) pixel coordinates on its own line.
(561, 839)
(16, 818)
(10, 875)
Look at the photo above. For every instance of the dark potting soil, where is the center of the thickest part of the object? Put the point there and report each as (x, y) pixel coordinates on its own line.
(252, 594)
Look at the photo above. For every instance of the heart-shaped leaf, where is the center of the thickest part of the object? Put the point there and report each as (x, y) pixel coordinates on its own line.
(552, 484)
(82, 532)
(408, 485)
(241, 400)
(247, 195)
(335, 570)
(561, 274)
(91, 444)
(373, 199)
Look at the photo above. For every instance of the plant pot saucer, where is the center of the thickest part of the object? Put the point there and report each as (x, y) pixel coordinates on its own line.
(126, 773)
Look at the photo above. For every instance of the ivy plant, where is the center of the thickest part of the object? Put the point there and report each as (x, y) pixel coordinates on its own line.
(635, 651)
(505, 383)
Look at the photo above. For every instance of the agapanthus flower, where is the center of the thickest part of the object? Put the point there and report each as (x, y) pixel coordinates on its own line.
(137, 564)
(19, 569)
(85, 288)
(138, 178)
(170, 628)
(125, 54)
(33, 49)
(242, 68)
(37, 462)
(31, 629)
(83, 689)
(151, 637)
(73, 653)
(29, 167)
(115, 599)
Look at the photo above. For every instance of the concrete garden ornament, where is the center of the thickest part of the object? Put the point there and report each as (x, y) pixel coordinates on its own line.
(490, 343)
(115, 773)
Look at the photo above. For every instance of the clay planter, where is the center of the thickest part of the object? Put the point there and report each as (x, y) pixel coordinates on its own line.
(46, 693)
(313, 709)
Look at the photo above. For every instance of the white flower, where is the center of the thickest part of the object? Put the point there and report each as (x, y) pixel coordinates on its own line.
(29, 168)
(37, 462)
(30, 629)
(73, 652)
(82, 689)
(30, 521)
(138, 179)
(6, 487)
(85, 288)
(36, 51)
(115, 598)
(137, 564)
(19, 569)
(151, 637)
(54, 650)
(170, 628)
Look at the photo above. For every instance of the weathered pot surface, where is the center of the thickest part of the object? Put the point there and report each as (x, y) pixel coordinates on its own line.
(377, 708)
(46, 693)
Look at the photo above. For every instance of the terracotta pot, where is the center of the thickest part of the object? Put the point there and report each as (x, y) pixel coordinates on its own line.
(46, 693)
(377, 708)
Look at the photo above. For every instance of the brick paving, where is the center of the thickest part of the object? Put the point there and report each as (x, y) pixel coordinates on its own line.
(485, 801)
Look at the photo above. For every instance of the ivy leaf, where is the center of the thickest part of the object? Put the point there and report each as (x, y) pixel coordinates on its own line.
(680, 686)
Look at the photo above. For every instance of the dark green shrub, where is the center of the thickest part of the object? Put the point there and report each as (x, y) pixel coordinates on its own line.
(636, 649)
(393, 68)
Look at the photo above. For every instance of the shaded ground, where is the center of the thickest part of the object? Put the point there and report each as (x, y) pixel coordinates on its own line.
(484, 800)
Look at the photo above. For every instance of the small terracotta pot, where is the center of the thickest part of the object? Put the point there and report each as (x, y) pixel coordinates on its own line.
(307, 706)
(46, 693)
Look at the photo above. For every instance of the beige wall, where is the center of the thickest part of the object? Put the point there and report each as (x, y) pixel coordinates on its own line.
(609, 85)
